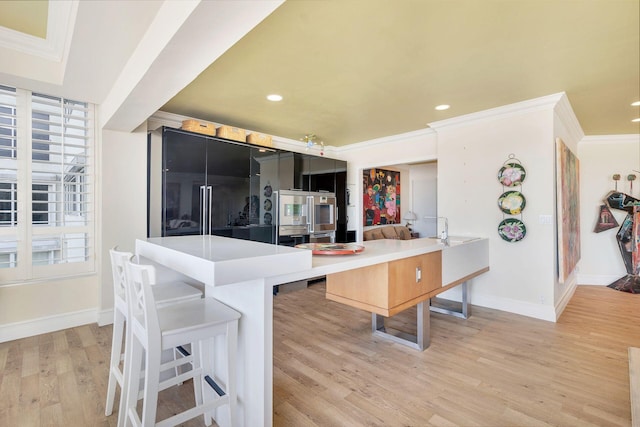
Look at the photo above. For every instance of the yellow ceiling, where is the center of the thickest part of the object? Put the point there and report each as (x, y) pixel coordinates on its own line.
(354, 70)
(25, 16)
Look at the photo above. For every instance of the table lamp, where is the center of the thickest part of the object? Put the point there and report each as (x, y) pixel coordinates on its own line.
(409, 216)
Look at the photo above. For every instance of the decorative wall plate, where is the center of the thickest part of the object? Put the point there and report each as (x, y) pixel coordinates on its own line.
(512, 230)
(268, 190)
(268, 218)
(511, 202)
(332, 248)
(511, 174)
(267, 205)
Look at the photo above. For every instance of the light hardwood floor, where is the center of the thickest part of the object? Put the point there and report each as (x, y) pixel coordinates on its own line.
(494, 369)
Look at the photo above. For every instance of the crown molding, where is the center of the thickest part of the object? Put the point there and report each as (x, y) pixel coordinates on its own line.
(610, 139)
(386, 140)
(163, 118)
(60, 25)
(536, 104)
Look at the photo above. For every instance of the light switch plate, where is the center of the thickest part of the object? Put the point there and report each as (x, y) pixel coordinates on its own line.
(545, 219)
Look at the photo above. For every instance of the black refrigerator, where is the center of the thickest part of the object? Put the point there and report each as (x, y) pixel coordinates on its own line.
(215, 186)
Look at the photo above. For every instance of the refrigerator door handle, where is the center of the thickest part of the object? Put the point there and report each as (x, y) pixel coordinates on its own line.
(203, 201)
(276, 217)
(210, 191)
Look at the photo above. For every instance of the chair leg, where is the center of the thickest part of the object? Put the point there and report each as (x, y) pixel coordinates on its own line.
(202, 363)
(151, 385)
(132, 369)
(197, 385)
(232, 346)
(115, 375)
(177, 355)
(180, 353)
(210, 349)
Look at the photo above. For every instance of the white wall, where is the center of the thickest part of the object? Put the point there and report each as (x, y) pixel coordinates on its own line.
(600, 158)
(399, 150)
(124, 202)
(469, 151)
(424, 198)
(28, 309)
(567, 129)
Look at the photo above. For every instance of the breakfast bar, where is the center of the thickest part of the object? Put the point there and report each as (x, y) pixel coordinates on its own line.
(242, 274)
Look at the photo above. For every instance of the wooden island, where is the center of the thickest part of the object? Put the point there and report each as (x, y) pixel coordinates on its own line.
(389, 287)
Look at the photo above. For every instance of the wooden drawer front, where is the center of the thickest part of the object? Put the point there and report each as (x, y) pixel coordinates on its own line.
(365, 286)
(404, 285)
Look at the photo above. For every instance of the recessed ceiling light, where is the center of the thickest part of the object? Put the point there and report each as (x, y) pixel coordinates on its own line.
(636, 120)
(443, 107)
(635, 104)
(274, 97)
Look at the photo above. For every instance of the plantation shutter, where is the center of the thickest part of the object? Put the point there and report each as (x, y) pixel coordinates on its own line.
(8, 179)
(61, 181)
(47, 218)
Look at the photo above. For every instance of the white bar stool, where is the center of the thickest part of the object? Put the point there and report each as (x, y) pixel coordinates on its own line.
(154, 329)
(165, 292)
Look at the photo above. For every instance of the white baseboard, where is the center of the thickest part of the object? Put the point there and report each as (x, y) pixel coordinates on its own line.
(524, 308)
(105, 317)
(566, 297)
(598, 279)
(43, 325)
(537, 311)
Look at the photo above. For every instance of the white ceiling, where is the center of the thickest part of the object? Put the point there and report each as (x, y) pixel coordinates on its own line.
(88, 43)
(351, 70)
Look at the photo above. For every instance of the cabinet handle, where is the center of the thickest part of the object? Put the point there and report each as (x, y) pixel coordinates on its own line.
(418, 274)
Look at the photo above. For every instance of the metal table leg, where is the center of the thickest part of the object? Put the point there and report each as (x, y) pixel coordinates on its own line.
(420, 341)
(465, 310)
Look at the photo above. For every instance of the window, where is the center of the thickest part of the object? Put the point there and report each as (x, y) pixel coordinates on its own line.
(7, 122)
(46, 186)
(8, 179)
(8, 207)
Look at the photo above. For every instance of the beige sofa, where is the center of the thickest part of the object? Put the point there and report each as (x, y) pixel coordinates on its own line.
(398, 232)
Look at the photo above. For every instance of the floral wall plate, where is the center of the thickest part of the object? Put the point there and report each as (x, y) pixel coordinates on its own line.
(512, 230)
(511, 202)
(511, 174)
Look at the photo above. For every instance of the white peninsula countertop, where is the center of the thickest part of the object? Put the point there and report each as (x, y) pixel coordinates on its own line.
(218, 261)
(242, 274)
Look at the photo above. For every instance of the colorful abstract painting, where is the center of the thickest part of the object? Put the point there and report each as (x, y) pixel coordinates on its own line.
(381, 197)
(568, 202)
